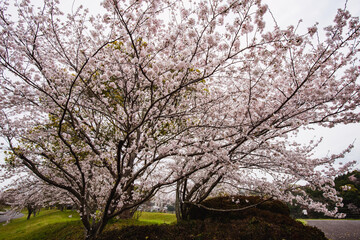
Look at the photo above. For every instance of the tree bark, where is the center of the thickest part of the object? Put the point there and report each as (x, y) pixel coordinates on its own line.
(30, 211)
(92, 231)
(181, 209)
(29, 215)
(178, 202)
(127, 214)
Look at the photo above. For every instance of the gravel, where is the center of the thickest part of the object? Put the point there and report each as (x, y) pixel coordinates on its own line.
(338, 229)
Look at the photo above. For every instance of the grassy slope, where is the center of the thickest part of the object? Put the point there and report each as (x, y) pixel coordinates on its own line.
(303, 221)
(157, 218)
(49, 223)
(56, 225)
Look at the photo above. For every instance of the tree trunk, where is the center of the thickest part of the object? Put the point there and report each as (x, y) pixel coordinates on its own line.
(92, 231)
(29, 215)
(181, 209)
(30, 211)
(127, 214)
(91, 235)
(177, 202)
(36, 211)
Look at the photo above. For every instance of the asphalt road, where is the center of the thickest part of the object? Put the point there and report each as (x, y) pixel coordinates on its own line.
(338, 229)
(9, 215)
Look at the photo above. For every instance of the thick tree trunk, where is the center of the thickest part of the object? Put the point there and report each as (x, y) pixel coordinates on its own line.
(36, 211)
(93, 233)
(181, 209)
(127, 214)
(184, 196)
(94, 230)
(91, 236)
(29, 215)
(178, 202)
(30, 211)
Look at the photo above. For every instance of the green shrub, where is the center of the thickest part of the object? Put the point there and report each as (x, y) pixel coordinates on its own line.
(269, 220)
(275, 206)
(196, 212)
(246, 229)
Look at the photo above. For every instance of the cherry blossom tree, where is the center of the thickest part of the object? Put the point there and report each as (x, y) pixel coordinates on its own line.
(33, 194)
(111, 108)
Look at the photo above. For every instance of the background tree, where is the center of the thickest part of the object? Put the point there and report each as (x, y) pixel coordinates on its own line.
(33, 194)
(112, 108)
(348, 186)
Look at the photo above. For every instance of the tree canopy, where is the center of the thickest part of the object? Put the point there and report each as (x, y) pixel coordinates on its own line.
(111, 108)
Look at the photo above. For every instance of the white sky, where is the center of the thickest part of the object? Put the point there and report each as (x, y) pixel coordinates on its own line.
(289, 12)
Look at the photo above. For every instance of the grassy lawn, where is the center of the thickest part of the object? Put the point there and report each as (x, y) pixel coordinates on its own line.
(56, 225)
(49, 223)
(303, 221)
(157, 218)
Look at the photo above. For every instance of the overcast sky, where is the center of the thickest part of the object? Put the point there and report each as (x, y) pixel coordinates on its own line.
(289, 12)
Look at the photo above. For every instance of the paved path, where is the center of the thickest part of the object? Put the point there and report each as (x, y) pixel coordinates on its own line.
(9, 215)
(338, 229)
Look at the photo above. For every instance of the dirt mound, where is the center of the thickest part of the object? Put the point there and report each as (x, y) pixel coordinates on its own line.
(268, 220)
(247, 229)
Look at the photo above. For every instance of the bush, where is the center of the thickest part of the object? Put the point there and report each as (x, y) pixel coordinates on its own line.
(235, 202)
(269, 220)
(246, 229)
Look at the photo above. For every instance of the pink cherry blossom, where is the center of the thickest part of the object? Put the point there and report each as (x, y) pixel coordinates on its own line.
(109, 110)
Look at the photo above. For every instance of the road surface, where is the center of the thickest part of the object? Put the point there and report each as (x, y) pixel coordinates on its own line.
(4, 216)
(338, 229)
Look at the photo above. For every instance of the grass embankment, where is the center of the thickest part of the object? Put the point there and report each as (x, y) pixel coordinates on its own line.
(304, 220)
(56, 225)
(157, 218)
(48, 224)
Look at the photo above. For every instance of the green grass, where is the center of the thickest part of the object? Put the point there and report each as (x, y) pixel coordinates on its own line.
(49, 223)
(303, 221)
(157, 218)
(56, 225)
